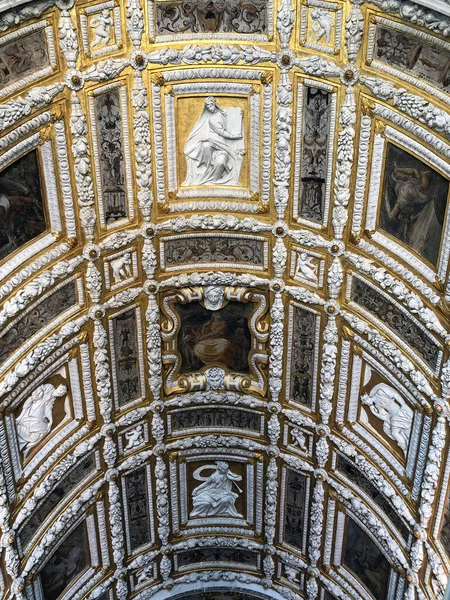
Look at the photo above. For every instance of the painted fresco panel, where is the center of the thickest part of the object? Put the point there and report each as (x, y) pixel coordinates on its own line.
(111, 151)
(37, 318)
(22, 215)
(294, 519)
(228, 16)
(316, 125)
(138, 509)
(23, 56)
(67, 483)
(215, 417)
(70, 558)
(303, 349)
(413, 55)
(207, 249)
(363, 557)
(126, 356)
(413, 203)
(201, 555)
(211, 337)
(389, 313)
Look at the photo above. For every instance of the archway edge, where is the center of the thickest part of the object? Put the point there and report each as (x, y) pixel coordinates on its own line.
(253, 590)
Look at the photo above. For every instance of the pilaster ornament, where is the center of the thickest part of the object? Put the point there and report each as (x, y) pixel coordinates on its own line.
(162, 499)
(194, 54)
(283, 140)
(285, 23)
(432, 470)
(7, 542)
(93, 282)
(102, 368)
(344, 160)
(83, 179)
(106, 69)
(316, 530)
(271, 490)
(209, 222)
(68, 38)
(117, 535)
(411, 104)
(135, 21)
(328, 369)
(153, 342)
(354, 27)
(20, 107)
(142, 144)
(276, 347)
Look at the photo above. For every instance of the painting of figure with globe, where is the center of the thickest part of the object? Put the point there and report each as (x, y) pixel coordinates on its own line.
(210, 337)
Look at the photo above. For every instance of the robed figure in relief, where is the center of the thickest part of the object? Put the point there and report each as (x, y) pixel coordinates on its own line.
(215, 496)
(36, 419)
(214, 148)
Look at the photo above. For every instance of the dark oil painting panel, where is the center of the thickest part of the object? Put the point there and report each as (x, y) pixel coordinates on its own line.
(414, 55)
(294, 520)
(303, 356)
(220, 336)
(65, 564)
(316, 127)
(23, 56)
(208, 249)
(138, 509)
(126, 356)
(109, 124)
(22, 215)
(363, 557)
(413, 203)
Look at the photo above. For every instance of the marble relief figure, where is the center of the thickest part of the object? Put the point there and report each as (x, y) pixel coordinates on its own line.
(36, 418)
(387, 405)
(413, 203)
(214, 148)
(215, 496)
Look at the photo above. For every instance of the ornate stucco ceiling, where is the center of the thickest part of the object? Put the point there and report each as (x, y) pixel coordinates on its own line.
(224, 343)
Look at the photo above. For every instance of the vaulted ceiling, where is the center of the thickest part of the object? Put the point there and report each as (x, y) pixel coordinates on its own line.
(224, 318)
